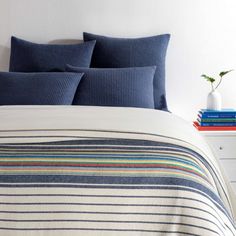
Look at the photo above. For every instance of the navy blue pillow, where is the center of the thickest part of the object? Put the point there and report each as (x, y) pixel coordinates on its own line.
(134, 52)
(38, 88)
(123, 87)
(32, 57)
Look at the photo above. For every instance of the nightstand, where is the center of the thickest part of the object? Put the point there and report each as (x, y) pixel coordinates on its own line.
(223, 145)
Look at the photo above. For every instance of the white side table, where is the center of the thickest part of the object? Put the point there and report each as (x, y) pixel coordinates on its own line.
(223, 145)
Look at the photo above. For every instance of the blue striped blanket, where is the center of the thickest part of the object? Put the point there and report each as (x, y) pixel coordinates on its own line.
(104, 182)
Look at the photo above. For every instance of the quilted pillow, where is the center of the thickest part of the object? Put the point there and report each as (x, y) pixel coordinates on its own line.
(38, 88)
(123, 87)
(33, 57)
(134, 52)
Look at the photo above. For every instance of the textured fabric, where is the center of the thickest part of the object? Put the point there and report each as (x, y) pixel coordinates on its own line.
(32, 57)
(123, 87)
(38, 88)
(127, 52)
(72, 181)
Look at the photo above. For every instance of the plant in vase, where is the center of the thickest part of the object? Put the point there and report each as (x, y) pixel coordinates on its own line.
(214, 100)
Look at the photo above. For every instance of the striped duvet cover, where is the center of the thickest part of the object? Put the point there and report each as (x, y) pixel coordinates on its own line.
(106, 171)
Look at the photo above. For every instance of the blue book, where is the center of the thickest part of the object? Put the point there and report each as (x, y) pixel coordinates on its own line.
(224, 113)
(217, 124)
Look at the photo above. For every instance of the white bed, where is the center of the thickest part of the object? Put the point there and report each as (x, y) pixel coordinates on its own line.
(27, 192)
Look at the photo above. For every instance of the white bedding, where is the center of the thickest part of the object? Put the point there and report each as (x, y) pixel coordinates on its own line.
(127, 122)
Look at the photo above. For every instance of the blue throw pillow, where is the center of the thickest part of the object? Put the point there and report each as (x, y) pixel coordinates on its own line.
(38, 88)
(134, 52)
(32, 57)
(123, 87)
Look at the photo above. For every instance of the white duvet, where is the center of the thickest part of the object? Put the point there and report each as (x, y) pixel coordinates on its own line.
(127, 121)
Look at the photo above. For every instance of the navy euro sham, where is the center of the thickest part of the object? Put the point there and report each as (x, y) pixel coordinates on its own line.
(134, 52)
(38, 88)
(122, 87)
(32, 57)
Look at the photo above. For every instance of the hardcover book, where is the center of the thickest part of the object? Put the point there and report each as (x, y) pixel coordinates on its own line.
(224, 113)
(202, 123)
(219, 120)
(213, 128)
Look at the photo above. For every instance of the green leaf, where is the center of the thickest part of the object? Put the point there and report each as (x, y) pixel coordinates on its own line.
(223, 73)
(208, 78)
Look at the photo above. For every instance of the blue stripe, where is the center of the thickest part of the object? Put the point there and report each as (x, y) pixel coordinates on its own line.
(142, 182)
(136, 222)
(98, 229)
(118, 221)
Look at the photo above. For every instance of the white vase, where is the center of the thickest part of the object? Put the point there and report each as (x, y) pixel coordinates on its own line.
(214, 100)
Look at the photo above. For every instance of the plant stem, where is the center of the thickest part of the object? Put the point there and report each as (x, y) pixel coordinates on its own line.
(212, 87)
(219, 82)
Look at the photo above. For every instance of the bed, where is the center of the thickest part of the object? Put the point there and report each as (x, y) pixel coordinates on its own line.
(84, 170)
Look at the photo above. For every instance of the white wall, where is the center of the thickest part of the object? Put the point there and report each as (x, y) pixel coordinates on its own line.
(203, 36)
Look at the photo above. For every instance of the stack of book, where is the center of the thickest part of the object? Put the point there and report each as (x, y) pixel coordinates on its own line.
(208, 120)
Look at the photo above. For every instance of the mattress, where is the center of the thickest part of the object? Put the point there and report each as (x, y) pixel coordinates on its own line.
(74, 170)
